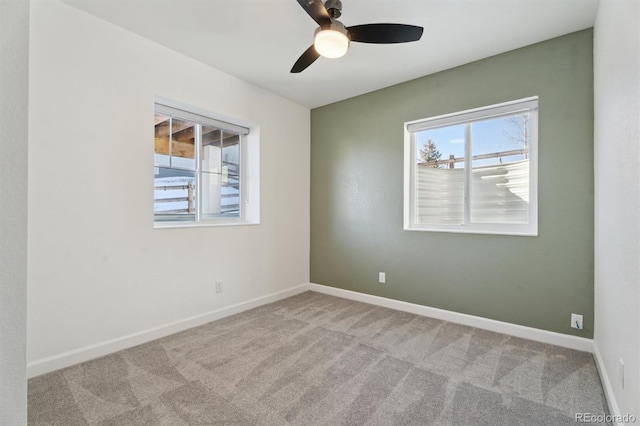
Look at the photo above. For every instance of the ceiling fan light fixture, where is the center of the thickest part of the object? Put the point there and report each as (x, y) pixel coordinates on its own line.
(332, 38)
(331, 42)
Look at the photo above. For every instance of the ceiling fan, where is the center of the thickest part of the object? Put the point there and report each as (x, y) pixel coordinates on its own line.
(332, 38)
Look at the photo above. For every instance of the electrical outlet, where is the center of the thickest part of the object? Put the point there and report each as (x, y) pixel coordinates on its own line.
(621, 371)
(218, 286)
(576, 321)
(382, 277)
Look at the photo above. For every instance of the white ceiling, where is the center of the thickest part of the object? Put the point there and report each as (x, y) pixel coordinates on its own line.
(259, 40)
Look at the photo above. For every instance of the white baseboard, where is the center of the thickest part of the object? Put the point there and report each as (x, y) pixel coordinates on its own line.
(530, 333)
(66, 359)
(606, 384)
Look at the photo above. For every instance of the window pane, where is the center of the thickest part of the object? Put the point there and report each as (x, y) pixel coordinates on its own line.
(231, 153)
(182, 153)
(220, 196)
(211, 194)
(439, 175)
(174, 194)
(231, 174)
(161, 150)
(211, 149)
(197, 168)
(474, 171)
(220, 173)
(500, 177)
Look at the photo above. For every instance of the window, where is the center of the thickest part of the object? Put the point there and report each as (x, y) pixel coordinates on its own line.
(473, 171)
(199, 175)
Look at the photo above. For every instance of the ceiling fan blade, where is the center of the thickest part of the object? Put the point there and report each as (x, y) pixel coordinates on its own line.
(307, 58)
(316, 9)
(384, 33)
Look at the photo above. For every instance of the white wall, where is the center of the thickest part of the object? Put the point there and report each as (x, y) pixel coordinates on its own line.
(617, 198)
(98, 270)
(14, 88)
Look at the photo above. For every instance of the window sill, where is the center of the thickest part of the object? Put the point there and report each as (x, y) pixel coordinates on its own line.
(475, 230)
(173, 225)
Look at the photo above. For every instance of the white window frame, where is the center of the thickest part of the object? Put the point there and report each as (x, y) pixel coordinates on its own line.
(503, 109)
(249, 153)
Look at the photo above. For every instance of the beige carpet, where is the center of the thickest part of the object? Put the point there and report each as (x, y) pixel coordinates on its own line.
(314, 359)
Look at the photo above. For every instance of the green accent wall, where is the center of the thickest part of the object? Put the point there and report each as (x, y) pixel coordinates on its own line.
(357, 194)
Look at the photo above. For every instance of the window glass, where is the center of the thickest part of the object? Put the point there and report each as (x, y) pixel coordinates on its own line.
(174, 194)
(162, 144)
(500, 179)
(183, 138)
(231, 173)
(440, 175)
(197, 168)
(474, 171)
